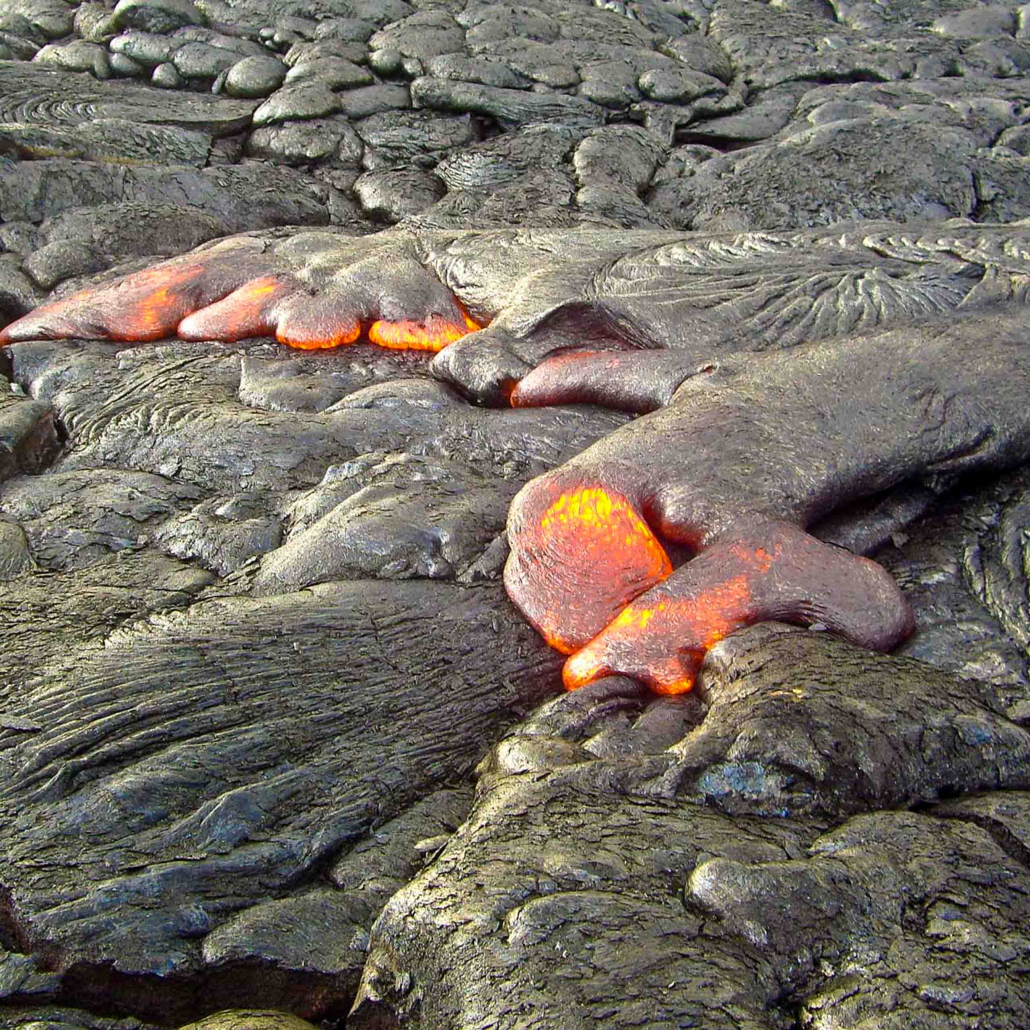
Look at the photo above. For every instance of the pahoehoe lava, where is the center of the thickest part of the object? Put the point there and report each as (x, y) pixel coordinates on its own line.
(744, 451)
(732, 296)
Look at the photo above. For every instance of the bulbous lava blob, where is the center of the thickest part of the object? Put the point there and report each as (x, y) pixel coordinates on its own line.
(774, 571)
(582, 553)
(588, 572)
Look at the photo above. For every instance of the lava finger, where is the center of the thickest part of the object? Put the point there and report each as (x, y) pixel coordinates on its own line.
(248, 311)
(579, 553)
(147, 305)
(775, 571)
(639, 381)
(431, 334)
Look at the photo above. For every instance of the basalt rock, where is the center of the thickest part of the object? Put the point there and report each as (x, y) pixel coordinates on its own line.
(213, 783)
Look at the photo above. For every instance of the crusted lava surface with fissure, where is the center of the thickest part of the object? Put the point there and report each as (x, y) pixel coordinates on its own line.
(722, 423)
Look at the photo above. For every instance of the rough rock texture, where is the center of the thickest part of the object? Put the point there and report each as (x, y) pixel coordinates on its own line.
(255, 640)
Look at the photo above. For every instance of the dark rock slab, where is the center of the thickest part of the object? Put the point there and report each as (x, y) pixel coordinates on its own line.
(29, 439)
(146, 48)
(614, 166)
(669, 293)
(198, 60)
(507, 159)
(769, 47)
(472, 69)
(119, 231)
(112, 140)
(236, 447)
(318, 49)
(962, 567)
(366, 101)
(50, 18)
(921, 734)
(222, 533)
(31, 93)
(586, 884)
(762, 190)
(18, 237)
(414, 519)
(335, 72)
(511, 107)
(72, 519)
(212, 836)
(34, 190)
(50, 614)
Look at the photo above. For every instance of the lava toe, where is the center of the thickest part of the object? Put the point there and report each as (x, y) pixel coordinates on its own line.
(639, 381)
(146, 305)
(773, 571)
(580, 552)
(248, 311)
(483, 366)
(430, 334)
(316, 321)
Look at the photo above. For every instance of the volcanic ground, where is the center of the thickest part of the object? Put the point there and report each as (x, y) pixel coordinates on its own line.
(367, 362)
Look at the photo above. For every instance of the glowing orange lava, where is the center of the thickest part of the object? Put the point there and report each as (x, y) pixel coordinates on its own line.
(661, 639)
(602, 533)
(433, 334)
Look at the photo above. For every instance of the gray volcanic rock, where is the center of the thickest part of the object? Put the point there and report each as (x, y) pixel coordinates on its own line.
(305, 142)
(392, 195)
(246, 826)
(113, 140)
(156, 15)
(28, 437)
(79, 56)
(413, 137)
(255, 642)
(147, 48)
(306, 100)
(52, 19)
(73, 519)
(19, 293)
(582, 858)
(255, 77)
(224, 197)
(335, 72)
(202, 61)
(510, 107)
